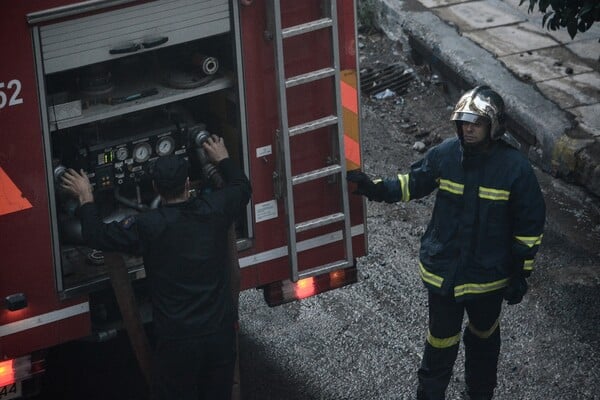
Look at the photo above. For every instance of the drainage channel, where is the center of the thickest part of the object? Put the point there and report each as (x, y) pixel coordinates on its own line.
(395, 77)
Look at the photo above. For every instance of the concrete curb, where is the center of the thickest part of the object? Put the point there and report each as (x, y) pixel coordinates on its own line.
(550, 131)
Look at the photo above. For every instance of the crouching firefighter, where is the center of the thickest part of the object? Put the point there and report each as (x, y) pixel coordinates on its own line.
(479, 246)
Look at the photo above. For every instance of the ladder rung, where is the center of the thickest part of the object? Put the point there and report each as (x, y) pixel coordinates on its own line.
(317, 222)
(309, 77)
(323, 269)
(316, 174)
(313, 125)
(307, 27)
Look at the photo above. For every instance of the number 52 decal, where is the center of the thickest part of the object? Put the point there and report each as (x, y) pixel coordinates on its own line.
(11, 94)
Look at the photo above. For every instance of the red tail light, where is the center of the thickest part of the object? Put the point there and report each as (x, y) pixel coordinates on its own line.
(7, 372)
(305, 288)
(21, 368)
(281, 292)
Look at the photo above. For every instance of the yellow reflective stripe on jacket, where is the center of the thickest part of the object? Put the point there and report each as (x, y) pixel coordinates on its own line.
(493, 194)
(528, 265)
(451, 187)
(484, 334)
(430, 278)
(442, 343)
(479, 288)
(403, 178)
(529, 241)
(376, 181)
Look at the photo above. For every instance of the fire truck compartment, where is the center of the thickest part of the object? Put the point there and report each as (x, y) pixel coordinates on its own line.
(119, 89)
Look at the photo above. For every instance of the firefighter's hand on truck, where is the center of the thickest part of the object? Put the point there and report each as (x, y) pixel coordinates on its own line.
(78, 184)
(215, 149)
(364, 185)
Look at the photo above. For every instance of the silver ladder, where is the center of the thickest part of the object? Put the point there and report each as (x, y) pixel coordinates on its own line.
(284, 179)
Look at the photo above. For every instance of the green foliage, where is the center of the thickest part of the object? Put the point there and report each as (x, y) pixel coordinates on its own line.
(575, 15)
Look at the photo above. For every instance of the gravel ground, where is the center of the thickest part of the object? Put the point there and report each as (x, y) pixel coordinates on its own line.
(365, 341)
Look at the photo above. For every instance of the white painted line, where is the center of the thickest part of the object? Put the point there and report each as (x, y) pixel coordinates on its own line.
(43, 319)
(302, 246)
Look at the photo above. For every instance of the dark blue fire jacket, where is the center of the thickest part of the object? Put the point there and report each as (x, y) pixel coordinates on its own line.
(487, 221)
(184, 246)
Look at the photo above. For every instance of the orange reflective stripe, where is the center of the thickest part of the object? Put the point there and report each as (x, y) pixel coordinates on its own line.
(349, 97)
(11, 199)
(352, 149)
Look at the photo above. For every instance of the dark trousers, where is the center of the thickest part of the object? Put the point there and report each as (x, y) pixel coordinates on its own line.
(199, 368)
(482, 346)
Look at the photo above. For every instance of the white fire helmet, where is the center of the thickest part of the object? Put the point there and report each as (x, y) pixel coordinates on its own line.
(481, 104)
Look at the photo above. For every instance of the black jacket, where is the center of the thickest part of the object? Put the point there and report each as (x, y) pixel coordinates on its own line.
(184, 247)
(487, 221)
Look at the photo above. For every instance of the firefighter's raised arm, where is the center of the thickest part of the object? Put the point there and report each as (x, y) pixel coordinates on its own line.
(78, 184)
(215, 149)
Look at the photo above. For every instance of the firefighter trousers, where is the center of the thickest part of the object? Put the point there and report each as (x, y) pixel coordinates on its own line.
(482, 346)
(198, 368)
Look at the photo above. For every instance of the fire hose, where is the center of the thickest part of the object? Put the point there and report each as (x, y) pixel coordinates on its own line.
(119, 278)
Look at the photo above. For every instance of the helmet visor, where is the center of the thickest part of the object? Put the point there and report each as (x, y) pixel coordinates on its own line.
(469, 117)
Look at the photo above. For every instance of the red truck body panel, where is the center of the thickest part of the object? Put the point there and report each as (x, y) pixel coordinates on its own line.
(26, 232)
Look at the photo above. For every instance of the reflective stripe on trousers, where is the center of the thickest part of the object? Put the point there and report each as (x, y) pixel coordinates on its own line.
(481, 338)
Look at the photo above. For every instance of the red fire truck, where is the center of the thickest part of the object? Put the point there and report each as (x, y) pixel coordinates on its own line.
(109, 86)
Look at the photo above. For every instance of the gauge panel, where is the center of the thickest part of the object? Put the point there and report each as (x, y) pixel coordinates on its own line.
(128, 160)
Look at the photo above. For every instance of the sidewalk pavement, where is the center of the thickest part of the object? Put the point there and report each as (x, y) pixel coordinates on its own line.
(550, 83)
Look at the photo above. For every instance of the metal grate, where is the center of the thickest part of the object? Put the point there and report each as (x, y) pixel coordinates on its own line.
(395, 77)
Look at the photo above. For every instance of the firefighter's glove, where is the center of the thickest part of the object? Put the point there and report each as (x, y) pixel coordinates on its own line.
(365, 186)
(516, 289)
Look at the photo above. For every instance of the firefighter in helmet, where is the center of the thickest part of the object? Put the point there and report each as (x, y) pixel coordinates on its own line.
(479, 246)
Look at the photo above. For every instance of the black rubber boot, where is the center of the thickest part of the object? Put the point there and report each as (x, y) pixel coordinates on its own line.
(481, 359)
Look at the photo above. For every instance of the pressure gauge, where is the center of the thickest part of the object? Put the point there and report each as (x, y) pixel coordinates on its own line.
(121, 153)
(141, 152)
(165, 146)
